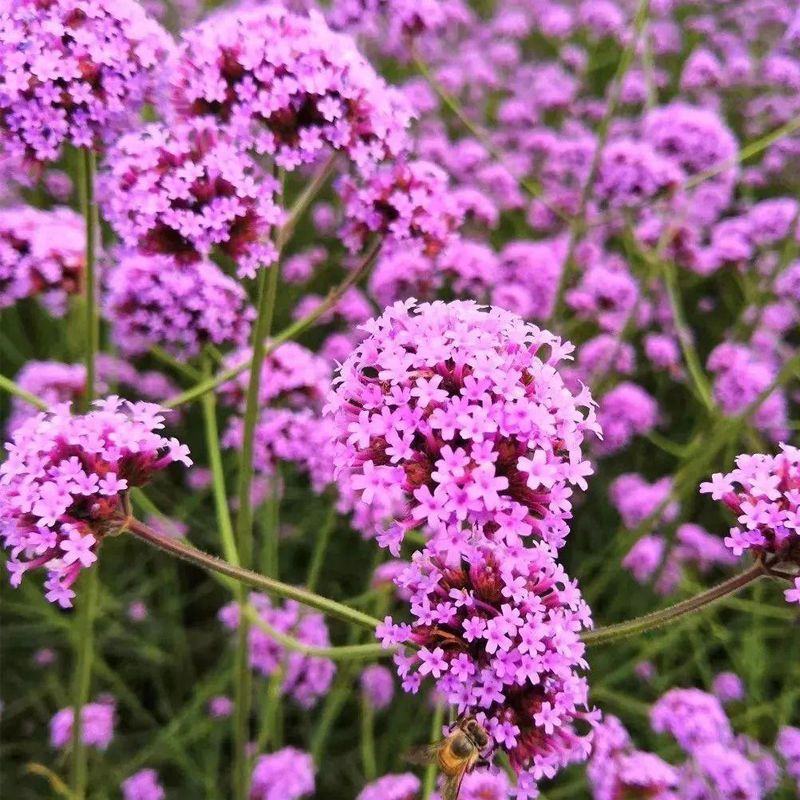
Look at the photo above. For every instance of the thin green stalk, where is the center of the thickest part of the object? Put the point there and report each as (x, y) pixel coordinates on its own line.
(271, 731)
(267, 291)
(209, 405)
(699, 379)
(186, 552)
(321, 547)
(368, 762)
(92, 318)
(334, 702)
(7, 385)
(288, 333)
(658, 619)
(82, 678)
(165, 358)
(84, 635)
(429, 779)
(308, 194)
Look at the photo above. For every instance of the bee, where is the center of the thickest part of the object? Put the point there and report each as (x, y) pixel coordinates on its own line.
(457, 754)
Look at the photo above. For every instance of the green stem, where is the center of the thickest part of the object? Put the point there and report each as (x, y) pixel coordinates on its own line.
(165, 358)
(252, 579)
(321, 547)
(334, 702)
(699, 379)
(429, 779)
(311, 190)
(368, 739)
(267, 290)
(209, 405)
(658, 619)
(92, 318)
(288, 333)
(82, 678)
(14, 388)
(84, 642)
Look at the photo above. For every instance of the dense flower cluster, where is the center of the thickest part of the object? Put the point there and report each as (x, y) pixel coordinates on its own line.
(41, 255)
(692, 717)
(143, 785)
(498, 629)
(377, 685)
(64, 481)
(788, 746)
(73, 71)
(408, 203)
(185, 189)
(763, 492)
(97, 725)
(455, 416)
(292, 91)
(305, 678)
(160, 301)
(287, 774)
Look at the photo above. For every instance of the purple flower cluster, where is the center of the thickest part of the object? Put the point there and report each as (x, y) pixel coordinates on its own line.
(73, 71)
(143, 785)
(161, 301)
(498, 629)
(407, 202)
(292, 91)
(305, 678)
(41, 255)
(453, 418)
(287, 774)
(97, 725)
(692, 717)
(763, 492)
(377, 686)
(63, 484)
(185, 189)
(625, 412)
(788, 747)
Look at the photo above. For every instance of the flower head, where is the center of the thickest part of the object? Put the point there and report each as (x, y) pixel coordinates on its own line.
(41, 255)
(377, 685)
(498, 629)
(287, 774)
(452, 417)
(157, 300)
(143, 785)
(292, 91)
(73, 72)
(97, 725)
(185, 189)
(692, 717)
(63, 485)
(763, 492)
(404, 786)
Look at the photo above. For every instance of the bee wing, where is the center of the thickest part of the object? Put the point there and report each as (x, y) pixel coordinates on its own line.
(425, 754)
(452, 786)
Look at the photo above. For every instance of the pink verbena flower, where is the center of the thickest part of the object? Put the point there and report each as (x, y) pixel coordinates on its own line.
(290, 426)
(485, 784)
(728, 687)
(404, 786)
(73, 72)
(159, 301)
(220, 707)
(788, 746)
(717, 770)
(287, 774)
(377, 686)
(63, 485)
(42, 254)
(616, 769)
(407, 202)
(97, 725)
(452, 417)
(143, 785)
(187, 188)
(625, 412)
(692, 717)
(763, 492)
(305, 678)
(293, 91)
(498, 629)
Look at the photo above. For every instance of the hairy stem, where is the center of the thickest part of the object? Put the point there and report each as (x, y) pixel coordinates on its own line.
(254, 580)
(658, 619)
